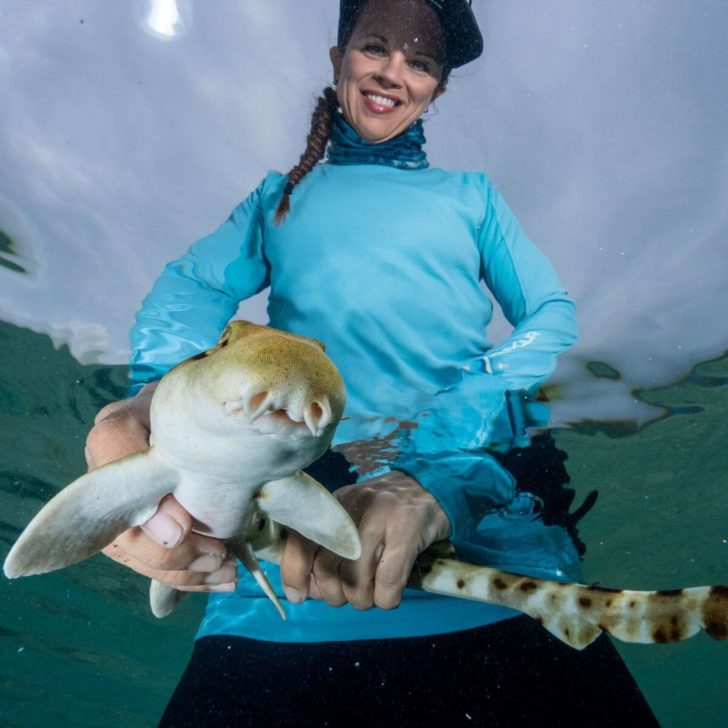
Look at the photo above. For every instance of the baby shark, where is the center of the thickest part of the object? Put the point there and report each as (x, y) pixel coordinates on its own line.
(232, 429)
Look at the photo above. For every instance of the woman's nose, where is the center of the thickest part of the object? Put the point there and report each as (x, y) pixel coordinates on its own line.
(390, 74)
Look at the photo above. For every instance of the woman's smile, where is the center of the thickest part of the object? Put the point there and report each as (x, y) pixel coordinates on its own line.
(378, 103)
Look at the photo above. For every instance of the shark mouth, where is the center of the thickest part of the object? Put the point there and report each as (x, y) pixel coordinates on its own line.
(270, 413)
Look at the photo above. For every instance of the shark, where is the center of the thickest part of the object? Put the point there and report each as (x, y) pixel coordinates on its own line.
(232, 429)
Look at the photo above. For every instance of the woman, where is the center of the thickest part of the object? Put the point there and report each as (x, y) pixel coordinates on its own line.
(379, 256)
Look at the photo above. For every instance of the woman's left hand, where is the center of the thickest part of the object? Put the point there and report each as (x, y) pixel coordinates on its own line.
(397, 520)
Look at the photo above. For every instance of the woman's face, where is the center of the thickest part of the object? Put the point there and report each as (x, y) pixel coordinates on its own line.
(391, 69)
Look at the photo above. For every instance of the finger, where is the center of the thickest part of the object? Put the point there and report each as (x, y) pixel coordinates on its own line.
(136, 544)
(326, 573)
(170, 525)
(296, 567)
(313, 590)
(221, 574)
(115, 437)
(138, 405)
(357, 577)
(392, 571)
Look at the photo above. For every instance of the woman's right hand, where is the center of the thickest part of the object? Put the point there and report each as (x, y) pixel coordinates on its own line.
(164, 548)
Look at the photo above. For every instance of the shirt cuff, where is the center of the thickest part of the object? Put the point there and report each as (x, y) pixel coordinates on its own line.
(466, 485)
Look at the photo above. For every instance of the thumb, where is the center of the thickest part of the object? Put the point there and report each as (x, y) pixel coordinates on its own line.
(170, 525)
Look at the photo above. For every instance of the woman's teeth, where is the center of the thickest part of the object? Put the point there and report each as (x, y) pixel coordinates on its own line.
(382, 101)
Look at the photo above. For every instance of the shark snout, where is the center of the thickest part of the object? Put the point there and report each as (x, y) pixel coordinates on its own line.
(287, 408)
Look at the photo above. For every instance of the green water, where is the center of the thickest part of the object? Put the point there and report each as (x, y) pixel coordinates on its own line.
(79, 647)
(661, 522)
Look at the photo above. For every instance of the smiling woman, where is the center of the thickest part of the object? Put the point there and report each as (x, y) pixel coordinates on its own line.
(391, 71)
(368, 249)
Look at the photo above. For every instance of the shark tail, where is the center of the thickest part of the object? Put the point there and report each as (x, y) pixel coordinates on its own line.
(577, 614)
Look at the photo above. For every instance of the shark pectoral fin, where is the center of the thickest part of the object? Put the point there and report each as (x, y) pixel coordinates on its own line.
(163, 599)
(244, 551)
(90, 513)
(303, 504)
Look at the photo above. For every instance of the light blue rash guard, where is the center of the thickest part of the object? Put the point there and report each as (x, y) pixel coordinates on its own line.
(384, 265)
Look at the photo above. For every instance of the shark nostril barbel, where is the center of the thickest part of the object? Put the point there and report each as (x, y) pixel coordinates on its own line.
(256, 403)
(317, 415)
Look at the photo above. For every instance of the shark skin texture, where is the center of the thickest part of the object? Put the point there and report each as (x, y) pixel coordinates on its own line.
(574, 613)
(232, 428)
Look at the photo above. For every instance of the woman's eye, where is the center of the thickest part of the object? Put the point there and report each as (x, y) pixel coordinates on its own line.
(374, 49)
(420, 66)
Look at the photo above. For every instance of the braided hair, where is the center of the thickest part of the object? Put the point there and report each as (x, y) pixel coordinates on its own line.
(322, 121)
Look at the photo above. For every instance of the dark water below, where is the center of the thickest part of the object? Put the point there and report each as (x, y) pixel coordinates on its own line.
(79, 647)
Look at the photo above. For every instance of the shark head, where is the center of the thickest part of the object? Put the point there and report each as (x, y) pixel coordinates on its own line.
(278, 381)
(257, 384)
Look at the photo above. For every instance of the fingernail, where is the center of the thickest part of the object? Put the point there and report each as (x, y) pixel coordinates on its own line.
(293, 595)
(229, 587)
(208, 562)
(165, 530)
(223, 575)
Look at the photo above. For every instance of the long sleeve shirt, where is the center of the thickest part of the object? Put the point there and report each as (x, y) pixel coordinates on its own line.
(385, 267)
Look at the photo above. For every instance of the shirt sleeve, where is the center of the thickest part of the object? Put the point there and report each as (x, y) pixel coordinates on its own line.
(490, 409)
(528, 291)
(197, 294)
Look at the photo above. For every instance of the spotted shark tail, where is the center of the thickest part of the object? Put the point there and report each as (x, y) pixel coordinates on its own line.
(577, 614)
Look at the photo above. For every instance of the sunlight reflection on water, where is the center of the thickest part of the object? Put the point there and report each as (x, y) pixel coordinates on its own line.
(164, 19)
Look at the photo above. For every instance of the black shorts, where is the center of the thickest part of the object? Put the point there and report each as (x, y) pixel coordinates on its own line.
(512, 673)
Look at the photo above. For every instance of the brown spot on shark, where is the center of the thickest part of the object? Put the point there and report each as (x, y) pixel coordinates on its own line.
(660, 636)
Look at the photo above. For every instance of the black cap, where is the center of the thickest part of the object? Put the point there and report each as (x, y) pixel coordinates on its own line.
(463, 40)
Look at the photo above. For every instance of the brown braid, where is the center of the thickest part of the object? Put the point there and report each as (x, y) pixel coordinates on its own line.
(322, 120)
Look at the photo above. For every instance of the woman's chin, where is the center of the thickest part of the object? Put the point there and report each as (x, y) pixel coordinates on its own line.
(379, 131)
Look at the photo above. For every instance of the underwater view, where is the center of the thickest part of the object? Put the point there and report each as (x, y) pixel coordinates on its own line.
(130, 130)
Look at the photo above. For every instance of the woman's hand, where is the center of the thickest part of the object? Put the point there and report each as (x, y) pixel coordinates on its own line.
(397, 520)
(164, 548)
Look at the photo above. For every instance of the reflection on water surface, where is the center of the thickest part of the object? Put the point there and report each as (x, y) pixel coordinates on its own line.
(8, 254)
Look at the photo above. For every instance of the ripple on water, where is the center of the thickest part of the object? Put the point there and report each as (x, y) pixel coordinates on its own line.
(8, 254)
